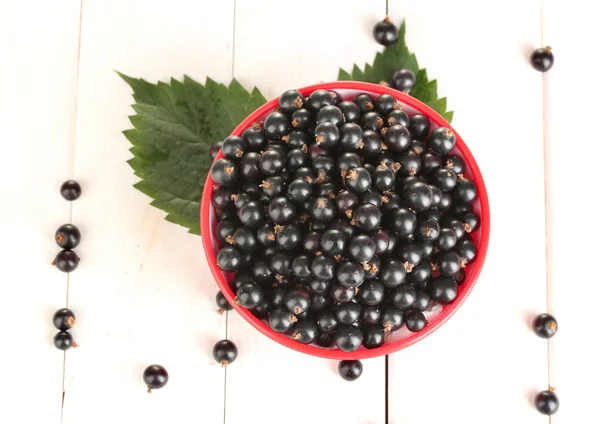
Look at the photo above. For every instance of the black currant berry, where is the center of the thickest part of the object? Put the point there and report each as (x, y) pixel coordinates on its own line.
(393, 273)
(319, 302)
(155, 377)
(224, 171)
(443, 289)
(365, 102)
(305, 331)
(67, 236)
(415, 321)
(66, 261)
(385, 32)
(384, 178)
(403, 296)
(373, 335)
(322, 209)
(455, 163)
(444, 179)
(358, 180)
(419, 127)
(342, 294)
(333, 242)
(327, 135)
(470, 222)
(70, 190)
(428, 230)
(446, 240)
(350, 111)
(319, 286)
(397, 117)
(404, 80)
(301, 267)
(222, 303)
(350, 370)
(430, 161)
(347, 313)
(372, 143)
(327, 321)
(351, 136)
(319, 99)
(447, 263)
(542, 59)
(282, 210)
(441, 141)
(545, 326)
(361, 248)
(244, 238)
(397, 138)
(367, 217)
(281, 264)
(276, 126)
(466, 250)
(234, 147)
(372, 121)
(386, 103)
(345, 162)
(465, 191)
(225, 352)
(297, 158)
(255, 137)
(546, 402)
(229, 259)
(331, 114)
(418, 196)
(348, 338)
(249, 295)
(281, 320)
(370, 314)
(302, 119)
(392, 318)
(289, 237)
(422, 302)
(297, 301)
(404, 222)
(214, 149)
(350, 274)
(324, 340)
(323, 267)
(63, 340)
(312, 242)
(250, 166)
(272, 161)
(460, 277)
(262, 273)
(63, 319)
(371, 293)
(290, 101)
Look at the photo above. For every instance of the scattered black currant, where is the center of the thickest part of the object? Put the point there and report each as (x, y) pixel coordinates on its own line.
(545, 326)
(70, 190)
(155, 377)
(222, 303)
(350, 370)
(67, 236)
(63, 319)
(225, 352)
(542, 59)
(546, 402)
(403, 80)
(63, 340)
(66, 261)
(385, 32)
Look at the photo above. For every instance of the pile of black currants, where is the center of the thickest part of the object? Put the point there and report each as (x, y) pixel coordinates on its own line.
(343, 220)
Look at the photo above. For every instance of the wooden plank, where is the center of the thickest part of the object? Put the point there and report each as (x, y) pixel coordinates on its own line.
(569, 118)
(485, 364)
(280, 45)
(38, 84)
(143, 292)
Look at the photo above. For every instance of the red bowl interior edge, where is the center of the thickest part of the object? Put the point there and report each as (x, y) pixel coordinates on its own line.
(390, 347)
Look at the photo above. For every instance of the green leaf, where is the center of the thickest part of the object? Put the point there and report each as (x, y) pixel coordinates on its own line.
(174, 126)
(394, 57)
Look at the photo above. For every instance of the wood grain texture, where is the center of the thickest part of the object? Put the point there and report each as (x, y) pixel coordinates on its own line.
(572, 142)
(37, 115)
(486, 355)
(143, 292)
(280, 45)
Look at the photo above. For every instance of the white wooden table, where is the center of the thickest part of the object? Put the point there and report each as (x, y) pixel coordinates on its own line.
(143, 293)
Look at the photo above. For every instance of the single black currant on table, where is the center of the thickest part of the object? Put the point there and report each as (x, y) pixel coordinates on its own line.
(63, 340)
(67, 236)
(415, 321)
(63, 319)
(234, 147)
(222, 303)
(385, 32)
(545, 326)
(66, 261)
(225, 352)
(404, 80)
(546, 402)
(224, 171)
(155, 377)
(542, 59)
(348, 338)
(350, 370)
(70, 190)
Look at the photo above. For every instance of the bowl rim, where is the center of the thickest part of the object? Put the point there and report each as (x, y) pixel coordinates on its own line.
(387, 348)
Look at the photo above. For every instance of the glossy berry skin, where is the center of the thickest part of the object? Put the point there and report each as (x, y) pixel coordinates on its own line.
(371, 293)
(272, 161)
(466, 250)
(327, 135)
(415, 321)
(351, 136)
(397, 138)
(225, 352)
(333, 242)
(67, 236)
(63, 319)
(347, 313)
(234, 147)
(428, 230)
(319, 99)
(372, 121)
(545, 326)
(446, 240)
(384, 178)
(328, 322)
(392, 318)
(393, 273)
(331, 114)
(345, 162)
(323, 267)
(155, 377)
(404, 222)
(546, 402)
(422, 301)
(403, 80)
(305, 331)
(465, 191)
(350, 274)
(297, 301)
(385, 32)
(348, 338)
(443, 290)
(419, 127)
(244, 238)
(444, 179)
(297, 158)
(63, 340)
(447, 262)
(324, 340)
(222, 303)
(276, 126)
(281, 320)
(373, 335)
(255, 138)
(250, 166)
(66, 261)
(312, 242)
(302, 119)
(361, 248)
(430, 161)
(403, 296)
(385, 104)
(342, 294)
(229, 259)
(322, 209)
(290, 101)
(367, 217)
(224, 171)
(282, 210)
(301, 267)
(70, 190)
(289, 237)
(470, 222)
(350, 370)
(249, 295)
(350, 112)
(542, 59)
(442, 141)
(418, 196)
(251, 214)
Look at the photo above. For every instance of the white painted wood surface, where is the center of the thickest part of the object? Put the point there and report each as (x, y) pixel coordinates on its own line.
(143, 293)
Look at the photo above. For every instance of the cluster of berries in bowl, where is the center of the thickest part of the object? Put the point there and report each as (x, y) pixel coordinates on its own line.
(345, 220)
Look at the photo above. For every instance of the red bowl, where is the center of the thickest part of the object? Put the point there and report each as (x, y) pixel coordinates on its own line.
(401, 338)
